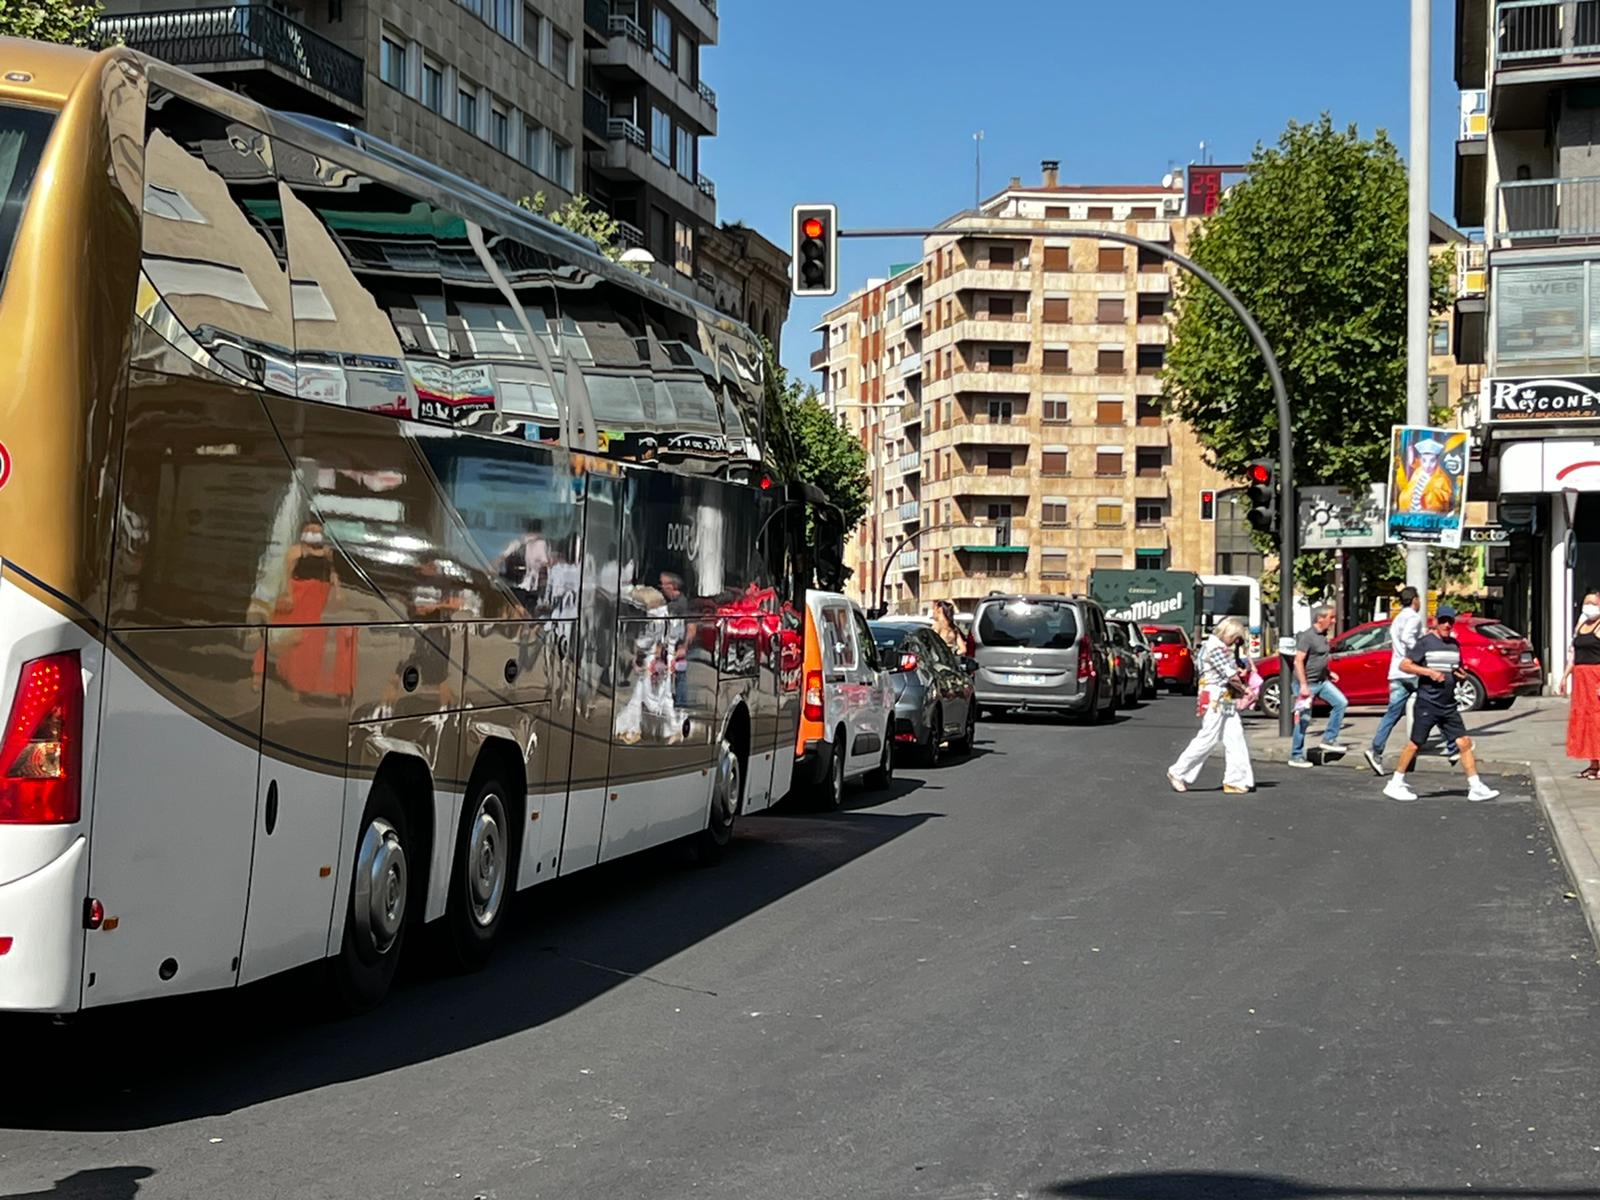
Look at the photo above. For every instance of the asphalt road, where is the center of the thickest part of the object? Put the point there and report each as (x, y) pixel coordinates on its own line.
(1038, 972)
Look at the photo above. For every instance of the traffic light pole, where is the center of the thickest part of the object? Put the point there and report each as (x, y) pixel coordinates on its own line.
(1286, 506)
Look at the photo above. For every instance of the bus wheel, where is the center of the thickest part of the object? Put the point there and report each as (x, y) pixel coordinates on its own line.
(480, 877)
(727, 797)
(375, 920)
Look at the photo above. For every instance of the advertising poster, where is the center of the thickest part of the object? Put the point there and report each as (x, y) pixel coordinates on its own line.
(1427, 485)
(451, 395)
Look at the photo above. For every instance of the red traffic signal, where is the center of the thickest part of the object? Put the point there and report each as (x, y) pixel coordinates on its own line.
(813, 228)
(1259, 472)
(814, 261)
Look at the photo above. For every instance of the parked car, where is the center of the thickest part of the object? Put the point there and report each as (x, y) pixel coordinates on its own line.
(934, 701)
(847, 704)
(1124, 669)
(1144, 656)
(1500, 663)
(1051, 653)
(1174, 656)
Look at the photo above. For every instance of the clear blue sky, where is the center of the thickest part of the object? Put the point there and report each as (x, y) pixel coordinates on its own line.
(878, 114)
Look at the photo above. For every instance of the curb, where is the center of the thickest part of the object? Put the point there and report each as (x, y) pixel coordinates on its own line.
(1576, 855)
(1428, 764)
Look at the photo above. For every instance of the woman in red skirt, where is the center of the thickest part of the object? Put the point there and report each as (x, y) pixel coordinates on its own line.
(1583, 675)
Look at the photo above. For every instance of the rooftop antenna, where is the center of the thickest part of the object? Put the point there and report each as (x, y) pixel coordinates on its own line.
(977, 169)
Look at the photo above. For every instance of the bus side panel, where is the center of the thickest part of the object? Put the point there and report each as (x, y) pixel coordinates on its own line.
(300, 805)
(174, 812)
(527, 727)
(594, 700)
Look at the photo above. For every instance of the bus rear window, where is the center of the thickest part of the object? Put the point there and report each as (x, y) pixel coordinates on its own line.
(22, 135)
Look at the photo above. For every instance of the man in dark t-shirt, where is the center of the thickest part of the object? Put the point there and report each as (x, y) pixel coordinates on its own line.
(1436, 662)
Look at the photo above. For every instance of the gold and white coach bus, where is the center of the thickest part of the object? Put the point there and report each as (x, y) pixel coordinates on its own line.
(369, 549)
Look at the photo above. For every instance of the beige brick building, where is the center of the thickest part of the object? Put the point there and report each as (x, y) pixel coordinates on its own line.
(1007, 390)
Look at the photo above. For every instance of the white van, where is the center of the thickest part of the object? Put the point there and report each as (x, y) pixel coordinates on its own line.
(847, 715)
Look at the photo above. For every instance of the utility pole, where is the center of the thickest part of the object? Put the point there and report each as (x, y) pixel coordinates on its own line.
(1417, 290)
(977, 169)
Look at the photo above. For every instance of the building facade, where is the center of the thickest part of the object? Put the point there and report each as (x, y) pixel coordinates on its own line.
(1528, 175)
(1007, 388)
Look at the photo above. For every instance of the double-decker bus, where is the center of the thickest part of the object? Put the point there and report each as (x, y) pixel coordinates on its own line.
(370, 549)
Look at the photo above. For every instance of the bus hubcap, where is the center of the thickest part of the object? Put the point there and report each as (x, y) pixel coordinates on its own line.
(726, 796)
(486, 862)
(380, 907)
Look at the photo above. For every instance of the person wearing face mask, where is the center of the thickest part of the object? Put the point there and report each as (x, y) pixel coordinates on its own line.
(1583, 679)
(1222, 683)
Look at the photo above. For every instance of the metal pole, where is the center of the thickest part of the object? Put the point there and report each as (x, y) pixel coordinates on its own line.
(1287, 514)
(1417, 291)
(977, 169)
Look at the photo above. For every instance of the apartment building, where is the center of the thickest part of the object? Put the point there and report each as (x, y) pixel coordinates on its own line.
(1007, 388)
(1528, 175)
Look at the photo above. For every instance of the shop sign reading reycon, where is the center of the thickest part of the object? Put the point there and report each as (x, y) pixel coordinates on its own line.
(1574, 399)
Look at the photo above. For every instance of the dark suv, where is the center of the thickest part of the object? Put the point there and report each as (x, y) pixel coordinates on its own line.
(1051, 653)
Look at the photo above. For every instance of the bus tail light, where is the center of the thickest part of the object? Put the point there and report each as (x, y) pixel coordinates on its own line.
(813, 697)
(1085, 658)
(41, 751)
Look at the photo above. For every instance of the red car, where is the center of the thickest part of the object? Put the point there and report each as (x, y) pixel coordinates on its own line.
(1500, 666)
(1174, 656)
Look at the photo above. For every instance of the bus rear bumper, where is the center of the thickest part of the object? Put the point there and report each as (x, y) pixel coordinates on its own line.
(41, 917)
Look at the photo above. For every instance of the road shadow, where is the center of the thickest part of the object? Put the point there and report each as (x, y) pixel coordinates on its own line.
(1221, 1185)
(144, 1065)
(101, 1183)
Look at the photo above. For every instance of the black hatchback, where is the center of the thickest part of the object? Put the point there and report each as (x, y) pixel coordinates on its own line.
(934, 704)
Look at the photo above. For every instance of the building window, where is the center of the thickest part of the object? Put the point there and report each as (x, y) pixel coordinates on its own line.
(1058, 258)
(1152, 310)
(1057, 362)
(433, 86)
(1053, 512)
(1149, 512)
(1148, 461)
(1149, 260)
(1150, 560)
(473, 6)
(1053, 564)
(1108, 412)
(1110, 310)
(467, 107)
(1108, 462)
(561, 162)
(1002, 257)
(1053, 462)
(1439, 339)
(1109, 362)
(1147, 411)
(661, 136)
(1001, 308)
(531, 25)
(998, 462)
(1057, 410)
(686, 63)
(392, 62)
(1111, 259)
(999, 412)
(561, 54)
(1109, 512)
(685, 152)
(534, 140)
(505, 18)
(1151, 359)
(1057, 310)
(1001, 360)
(661, 34)
(683, 248)
(1058, 212)
(1100, 212)
(500, 129)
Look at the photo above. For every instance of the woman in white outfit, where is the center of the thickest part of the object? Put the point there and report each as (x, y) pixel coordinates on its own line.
(1222, 682)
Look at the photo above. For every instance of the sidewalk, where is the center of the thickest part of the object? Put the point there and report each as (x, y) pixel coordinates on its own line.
(1529, 739)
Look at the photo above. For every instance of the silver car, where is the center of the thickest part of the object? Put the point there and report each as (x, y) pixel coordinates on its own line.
(934, 706)
(1050, 653)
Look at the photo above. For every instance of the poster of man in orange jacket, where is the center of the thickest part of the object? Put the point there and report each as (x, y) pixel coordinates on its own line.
(1427, 485)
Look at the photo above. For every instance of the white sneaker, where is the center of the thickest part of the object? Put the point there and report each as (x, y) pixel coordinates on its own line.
(1399, 789)
(1450, 757)
(1480, 791)
(1334, 748)
(1373, 761)
(1300, 762)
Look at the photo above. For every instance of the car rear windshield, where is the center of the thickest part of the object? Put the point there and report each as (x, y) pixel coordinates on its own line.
(1497, 632)
(1030, 624)
(1167, 637)
(890, 637)
(22, 136)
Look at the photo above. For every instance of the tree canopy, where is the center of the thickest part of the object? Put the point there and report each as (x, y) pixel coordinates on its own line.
(806, 442)
(68, 21)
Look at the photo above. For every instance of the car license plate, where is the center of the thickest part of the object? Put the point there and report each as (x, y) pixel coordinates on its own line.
(1024, 680)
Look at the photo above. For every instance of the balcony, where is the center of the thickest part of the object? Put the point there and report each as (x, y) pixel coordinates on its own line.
(1152, 487)
(1546, 32)
(1150, 435)
(629, 235)
(998, 484)
(1472, 271)
(1153, 335)
(999, 537)
(907, 561)
(1157, 283)
(911, 364)
(984, 433)
(910, 464)
(627, 57)
(1548, 210)
(910, 414)
(911, 316)
(284, 62)
(910, 512)
(1007, 382)
(707, 188)
(1147, 385)
(627, 157)
(971, 329)
(1009, 279)
(819, 359)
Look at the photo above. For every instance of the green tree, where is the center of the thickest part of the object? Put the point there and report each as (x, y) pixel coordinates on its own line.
(68, 21)
(582, 217)
(806, 442)
(1313, 241)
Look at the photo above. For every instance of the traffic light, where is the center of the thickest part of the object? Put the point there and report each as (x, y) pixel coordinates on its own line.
(1263, 494)
(1208, 505)
(815, 263)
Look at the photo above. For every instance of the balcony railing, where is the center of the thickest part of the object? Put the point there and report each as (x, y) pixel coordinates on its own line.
(819, 359)
(707, 188)
(625, 129)
(911, 316)
(709, 96)
(624, 26)
(1546, 29)
(910, 463)
(237, 34)
(1549, 209)
(911, 364)
(908, 560)
(1472, 270)
(596, 112)
(909, 510)
(629, 235)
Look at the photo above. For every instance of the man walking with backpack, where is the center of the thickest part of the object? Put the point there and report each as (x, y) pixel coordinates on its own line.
(1435, 661)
